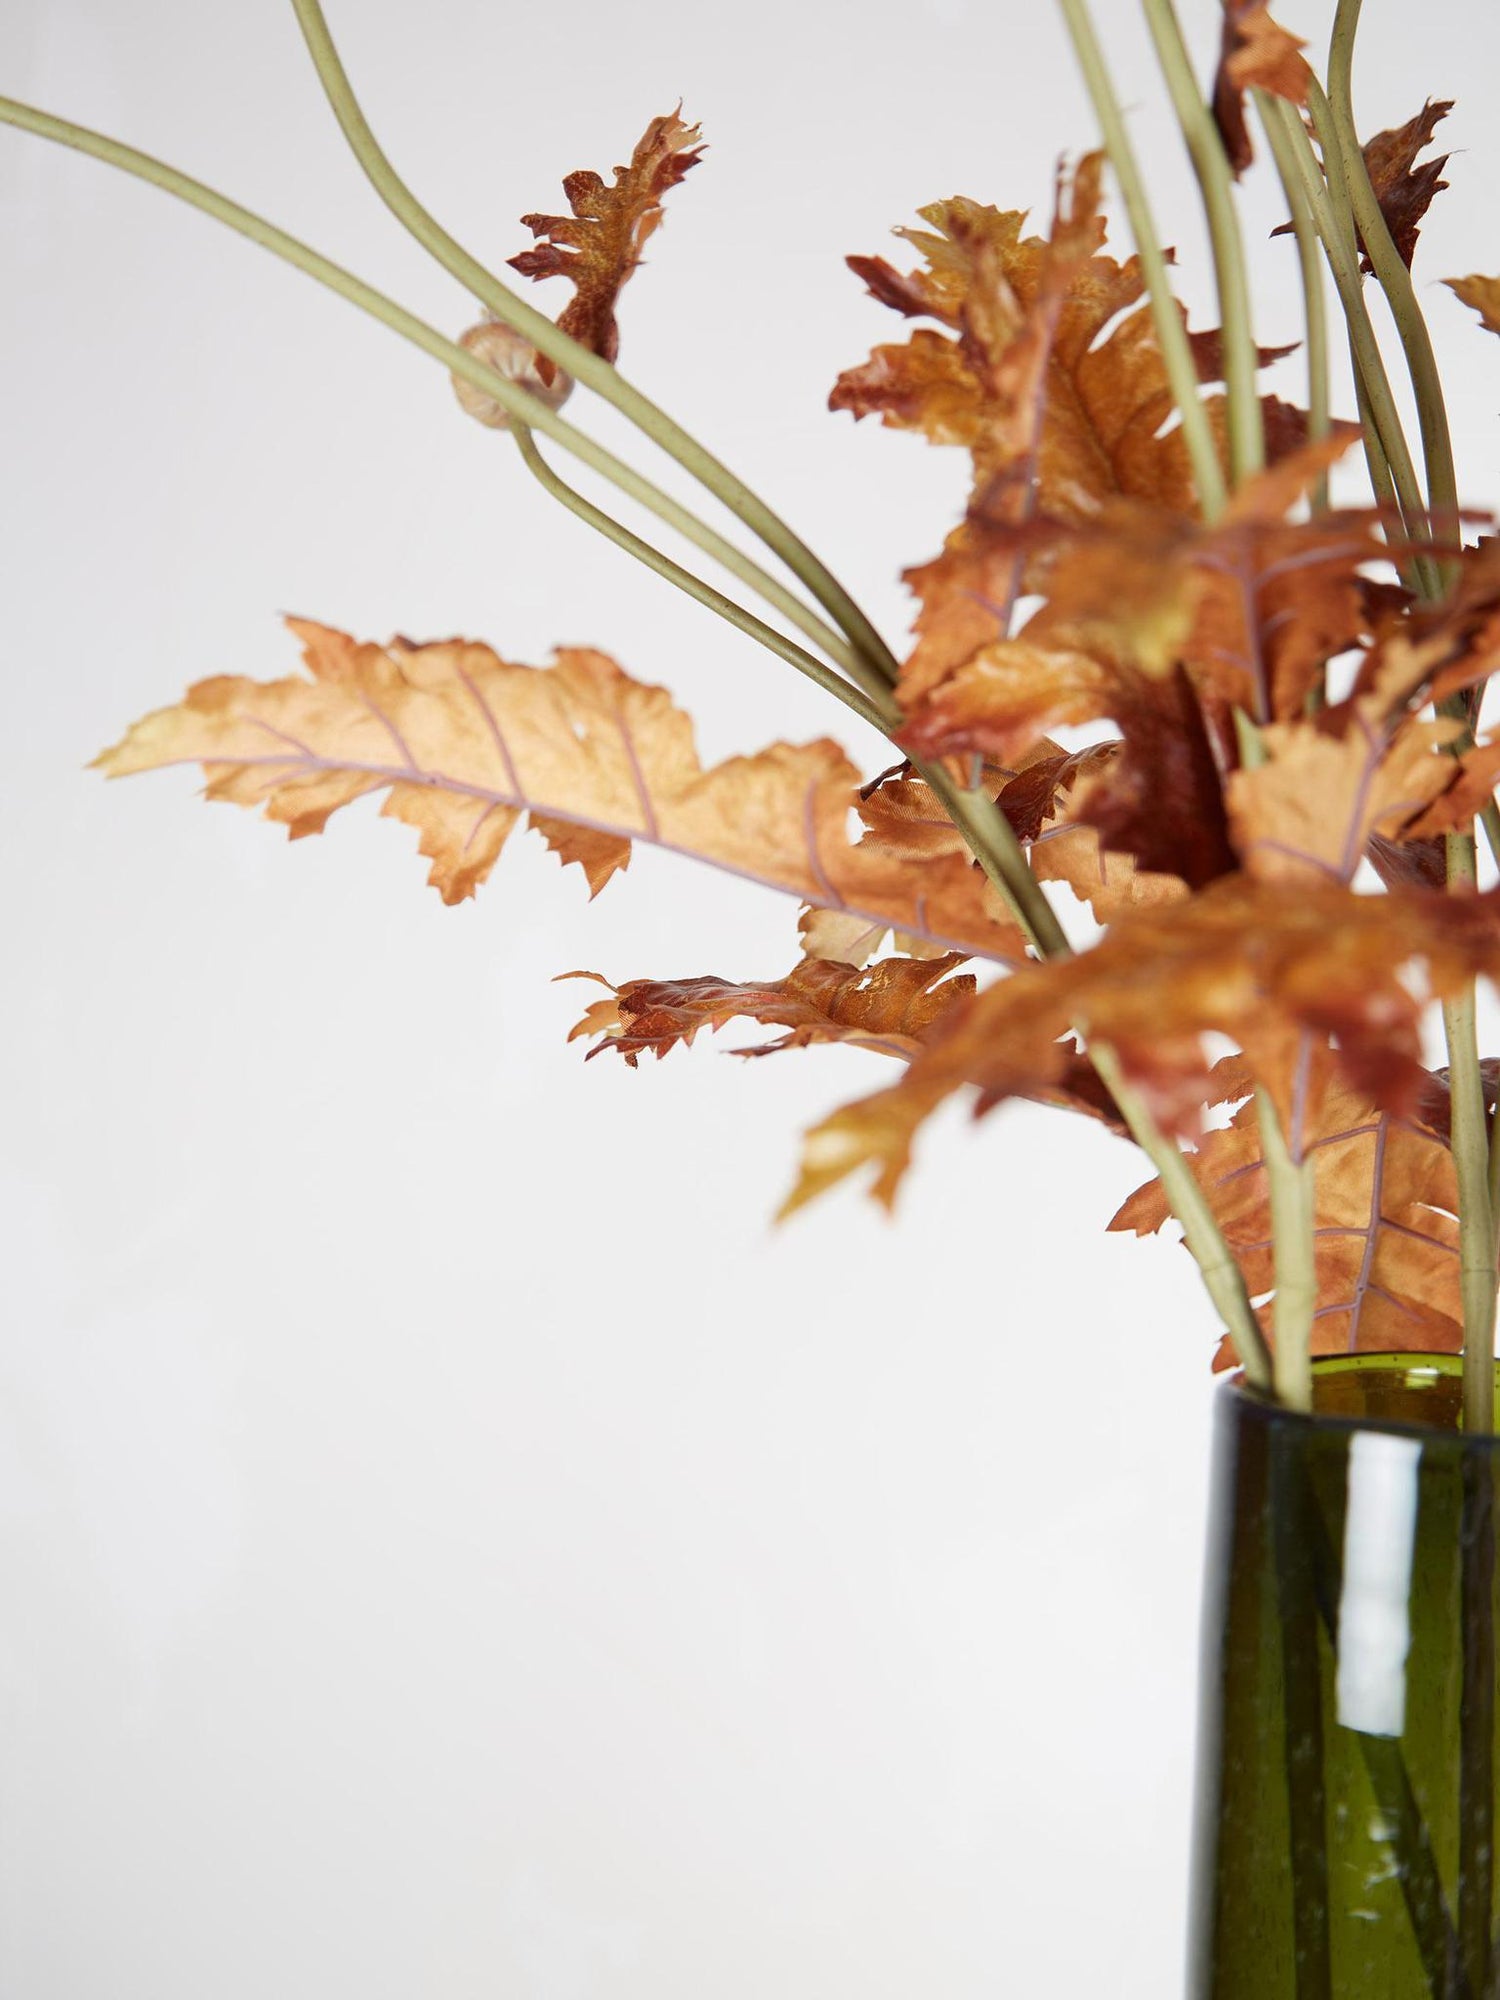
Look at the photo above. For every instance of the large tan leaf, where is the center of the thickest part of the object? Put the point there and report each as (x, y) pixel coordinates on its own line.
(1242, 959)
(600, 243)
(462, 742)
(890, 1007)
(1386, 1201)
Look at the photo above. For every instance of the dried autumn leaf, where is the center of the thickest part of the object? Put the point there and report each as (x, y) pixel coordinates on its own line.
(1482, 295)
(1047, 806)
(463, 742)
(1405, 190)
(1254, 54)
(1026, 316)
(598, 246)
(890, 1007)
(1330, 785)
(1386, 1202)
(1241, 958)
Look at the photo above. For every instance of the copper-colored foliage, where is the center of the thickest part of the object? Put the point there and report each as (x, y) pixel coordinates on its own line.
(1404, 189)
(1482, 294)
(1386, 1199)
(890, 1007)
(463, 742)
(1254, 54)
(1241, 958)
(600, 243)
(1016, 376)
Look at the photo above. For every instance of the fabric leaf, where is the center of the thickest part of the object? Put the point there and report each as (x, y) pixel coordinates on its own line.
(598, 246)
(463, 742)
(890, 1007)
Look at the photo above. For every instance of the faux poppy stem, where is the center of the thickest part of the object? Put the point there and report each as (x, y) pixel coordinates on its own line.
(529, 409)
(1314, 302)
(1392, 275)
(1247, 443)
(581, 362)
(1292, 1193)
(1171, 334)
(1336, 230)
(883, 717)
(994, 841)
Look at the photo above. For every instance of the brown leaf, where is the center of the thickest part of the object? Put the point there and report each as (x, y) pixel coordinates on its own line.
(1022, 378)
(891, 1007)
(1403, 189)
(1455, 810)
(1241, 958)
(1332, 784)
(1482, 294)
(463, 742)
(1385, 1205)
(1254, 54)
(598, 246)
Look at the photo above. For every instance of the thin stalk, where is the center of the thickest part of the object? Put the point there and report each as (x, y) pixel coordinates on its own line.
(1247, 442)
(1336, 231)
(517, 400)
(1221, 1274)
(1470, 1140)
(1293, 1209)
(580, 362)
(1314, 303)
(884, 717)
(994, 841)
(1391, 272)
(1171, 334)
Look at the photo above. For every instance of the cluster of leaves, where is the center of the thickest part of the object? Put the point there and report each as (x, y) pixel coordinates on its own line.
(1083, 587)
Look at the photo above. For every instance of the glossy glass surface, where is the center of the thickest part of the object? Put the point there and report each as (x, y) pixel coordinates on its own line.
(1347, 1745)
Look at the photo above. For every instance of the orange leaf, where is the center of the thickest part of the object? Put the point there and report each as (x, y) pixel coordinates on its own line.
(462, 743)
(1482, 294)
(890, 1007)
(1385, 1205)
(598, 246)
(1255, 54)
(1241, 958)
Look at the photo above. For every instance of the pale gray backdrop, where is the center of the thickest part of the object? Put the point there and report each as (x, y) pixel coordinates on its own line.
(451, 1545)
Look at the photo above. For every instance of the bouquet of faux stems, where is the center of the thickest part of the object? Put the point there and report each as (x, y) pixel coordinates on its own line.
(1277, 844)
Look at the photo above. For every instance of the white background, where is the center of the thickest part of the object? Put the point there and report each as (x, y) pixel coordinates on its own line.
(451, 1544)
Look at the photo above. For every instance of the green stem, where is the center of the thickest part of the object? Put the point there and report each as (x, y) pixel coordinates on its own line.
(1293, 1216)
(1391, 273)
(1471, 1157)
(1171, 334)
(580, 362)
(1310, 267)
(993, 839)
(1335, 229)
(517, 400)
(1247, 444)
(885, 717)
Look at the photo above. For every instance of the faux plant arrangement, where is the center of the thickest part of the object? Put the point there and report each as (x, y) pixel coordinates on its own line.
(1149, 543)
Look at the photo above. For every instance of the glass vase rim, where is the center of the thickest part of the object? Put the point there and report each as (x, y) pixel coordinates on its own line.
(1237, 1390)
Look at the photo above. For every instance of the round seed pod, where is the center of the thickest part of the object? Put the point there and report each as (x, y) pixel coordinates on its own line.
(500, 347)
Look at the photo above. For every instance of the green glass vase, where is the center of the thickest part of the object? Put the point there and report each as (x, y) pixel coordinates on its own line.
(1345, 1845)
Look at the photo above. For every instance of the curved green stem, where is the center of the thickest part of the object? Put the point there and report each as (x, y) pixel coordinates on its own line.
(580, 362)
(993, 840)
(1391, 273)
(1171, 334)
(883, 718)
(1247, 443)
(1310, 267)
(1293, 1215)
(1335, 228)
(518, 401)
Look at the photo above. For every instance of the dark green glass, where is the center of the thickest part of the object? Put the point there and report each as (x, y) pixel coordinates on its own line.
(1347, 1742)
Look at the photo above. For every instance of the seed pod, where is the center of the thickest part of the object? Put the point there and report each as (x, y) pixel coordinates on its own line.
(500, 347)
